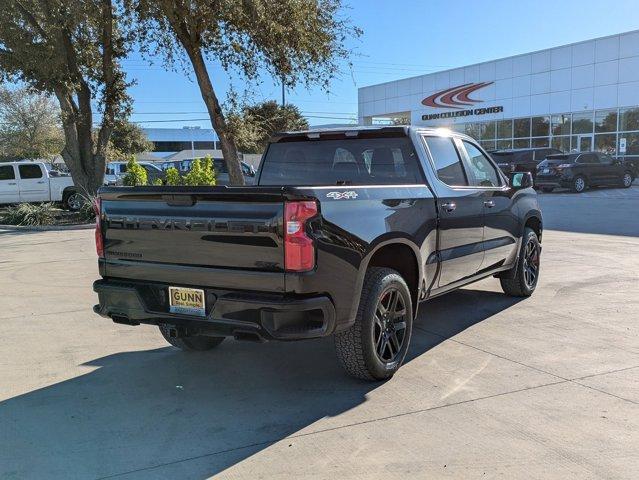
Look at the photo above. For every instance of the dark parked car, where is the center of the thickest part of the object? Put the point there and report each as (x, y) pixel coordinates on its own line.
(345, 232)
(522, 160)
(578, 171)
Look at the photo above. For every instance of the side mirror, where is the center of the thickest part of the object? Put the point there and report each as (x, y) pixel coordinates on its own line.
(521, 180)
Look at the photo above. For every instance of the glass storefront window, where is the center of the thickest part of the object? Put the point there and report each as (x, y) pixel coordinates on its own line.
(505, 129)
(521, 143)
(629, 119)
(606, 143)
(540, 126)
(504, 144)
(582, 122)
(561, 124)
(488, 144)
(487, 131)
(540, 142)
(472, 130)
(632, 143)
(606, 121)
(521, 127)
(562, 143)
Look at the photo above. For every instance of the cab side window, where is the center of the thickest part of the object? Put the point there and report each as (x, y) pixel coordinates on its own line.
(448, 165)
(29, 171)
(7, 172)
(482, 171)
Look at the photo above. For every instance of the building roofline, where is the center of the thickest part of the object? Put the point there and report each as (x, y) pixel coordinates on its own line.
(501, 58)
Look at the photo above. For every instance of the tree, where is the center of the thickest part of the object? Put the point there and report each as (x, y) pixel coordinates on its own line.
(252, 125)
(71, 50)
(127, 139)
(135, 174)
(292, 40)
(29, 125)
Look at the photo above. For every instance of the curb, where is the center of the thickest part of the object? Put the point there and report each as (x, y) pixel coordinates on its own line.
(47, 228)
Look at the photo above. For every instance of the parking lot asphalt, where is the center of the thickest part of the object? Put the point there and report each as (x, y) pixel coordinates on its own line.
(546, 387)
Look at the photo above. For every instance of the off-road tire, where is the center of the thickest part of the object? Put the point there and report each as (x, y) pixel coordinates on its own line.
(355, 347)
(517, 286)
(192, 343)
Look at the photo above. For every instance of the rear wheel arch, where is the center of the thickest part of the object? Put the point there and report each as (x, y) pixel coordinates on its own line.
(68, 191)
(401, 256)
(535, 223)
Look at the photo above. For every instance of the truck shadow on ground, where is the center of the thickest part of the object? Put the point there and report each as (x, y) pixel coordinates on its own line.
(165, 414)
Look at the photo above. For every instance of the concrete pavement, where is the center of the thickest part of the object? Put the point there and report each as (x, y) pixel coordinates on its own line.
(547, 387)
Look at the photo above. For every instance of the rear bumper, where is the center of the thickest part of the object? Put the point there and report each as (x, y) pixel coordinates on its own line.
(247, 315)
(553, 181)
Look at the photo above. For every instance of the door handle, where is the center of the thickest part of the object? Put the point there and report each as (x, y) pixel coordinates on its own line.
(13, 183)
(489, 203)
(41, 181)
(449, 206)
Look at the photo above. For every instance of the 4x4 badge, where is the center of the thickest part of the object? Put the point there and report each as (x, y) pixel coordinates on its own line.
(342, 195)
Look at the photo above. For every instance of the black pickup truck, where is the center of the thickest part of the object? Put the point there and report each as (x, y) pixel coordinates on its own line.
(344, 234)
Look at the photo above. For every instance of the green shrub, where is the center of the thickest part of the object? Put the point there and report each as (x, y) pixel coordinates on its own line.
(135, 174)
(158, 182)
(173, 177)
(29, 214)
(202, 173)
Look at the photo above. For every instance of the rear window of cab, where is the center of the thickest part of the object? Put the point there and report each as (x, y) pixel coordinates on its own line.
(344, 161)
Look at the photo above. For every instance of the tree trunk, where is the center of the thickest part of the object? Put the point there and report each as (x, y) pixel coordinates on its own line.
(78, 149)
(229, 150)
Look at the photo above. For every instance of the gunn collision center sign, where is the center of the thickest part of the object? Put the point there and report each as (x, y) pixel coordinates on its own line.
(459, 99)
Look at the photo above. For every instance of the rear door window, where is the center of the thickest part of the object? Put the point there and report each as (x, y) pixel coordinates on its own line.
(29, 171)
(448, 165)
(7, 172)
(483, 173)
(588, 158)
(344, 161)
(220, 166)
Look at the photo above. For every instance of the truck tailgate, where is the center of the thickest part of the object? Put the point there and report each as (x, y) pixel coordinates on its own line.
(224, 237)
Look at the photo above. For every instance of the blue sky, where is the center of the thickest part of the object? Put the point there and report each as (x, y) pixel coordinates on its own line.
(402, 38)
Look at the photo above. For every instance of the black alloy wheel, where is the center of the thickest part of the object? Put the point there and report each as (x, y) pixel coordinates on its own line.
(389, 330)
(522, 279)
(531, 263)
(375, 345)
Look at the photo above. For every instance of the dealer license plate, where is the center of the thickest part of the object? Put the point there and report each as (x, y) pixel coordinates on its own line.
(187, 301)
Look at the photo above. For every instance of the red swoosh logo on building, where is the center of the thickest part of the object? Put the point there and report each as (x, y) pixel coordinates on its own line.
(455, 97)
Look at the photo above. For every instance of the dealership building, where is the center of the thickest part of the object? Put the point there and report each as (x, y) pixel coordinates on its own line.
(583, 96)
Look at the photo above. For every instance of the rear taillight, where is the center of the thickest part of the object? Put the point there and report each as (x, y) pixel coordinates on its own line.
(99, 241)
(299, 250)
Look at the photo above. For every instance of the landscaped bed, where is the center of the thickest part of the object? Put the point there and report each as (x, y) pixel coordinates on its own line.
(42, 214)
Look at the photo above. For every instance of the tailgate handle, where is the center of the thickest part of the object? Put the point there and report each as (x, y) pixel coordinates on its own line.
(179, 200)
